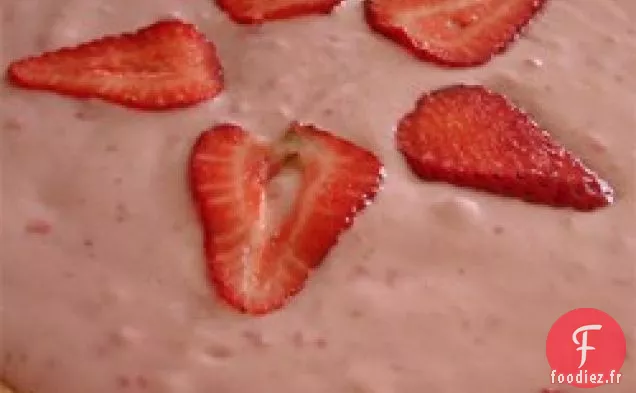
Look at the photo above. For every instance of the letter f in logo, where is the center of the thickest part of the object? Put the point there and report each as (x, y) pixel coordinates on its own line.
(583, 344)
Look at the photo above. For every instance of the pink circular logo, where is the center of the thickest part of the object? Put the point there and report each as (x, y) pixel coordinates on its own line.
(586, 348)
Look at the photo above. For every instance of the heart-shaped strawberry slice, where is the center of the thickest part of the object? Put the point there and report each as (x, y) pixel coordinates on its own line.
(254, 271)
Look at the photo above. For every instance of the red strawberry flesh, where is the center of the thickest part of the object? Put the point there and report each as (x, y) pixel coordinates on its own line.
(254, 271)
(457, 33)
(166, 65)
(470, 136)
(259, 11)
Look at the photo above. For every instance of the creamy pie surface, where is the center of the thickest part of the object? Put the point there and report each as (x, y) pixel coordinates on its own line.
(435, 288)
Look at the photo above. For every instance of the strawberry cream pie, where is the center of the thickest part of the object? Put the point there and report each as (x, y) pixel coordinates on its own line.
(378, 196)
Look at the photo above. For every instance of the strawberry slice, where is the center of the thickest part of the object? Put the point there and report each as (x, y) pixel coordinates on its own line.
(456, 33)
(254, 271)
(166, 65)
(259, 11)
(470, 136)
